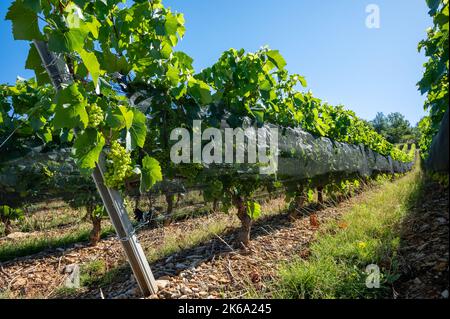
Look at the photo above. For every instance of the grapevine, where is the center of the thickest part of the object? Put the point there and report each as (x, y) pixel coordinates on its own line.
(115, 52)
(435, 77)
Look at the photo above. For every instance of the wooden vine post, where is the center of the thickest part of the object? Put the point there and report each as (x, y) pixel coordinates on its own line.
(112, 199)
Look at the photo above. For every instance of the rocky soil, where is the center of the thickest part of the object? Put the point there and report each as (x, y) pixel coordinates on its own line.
(214, 268)
(211, 269)
(424, 248)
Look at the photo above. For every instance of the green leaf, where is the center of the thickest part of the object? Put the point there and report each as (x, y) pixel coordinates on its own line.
(253, 210)
(57, 42)
(34, 5)
(172, 75)
(37, 121)
(45, 135)
(112, 63)
(34, 62)
(66, 136)
(91, 63)
(171, 24)
(433, 5)
(166, 50)
(178, 91)
(87, 148)
(24, 22)
(184, 60)
(302, 81)
(92, 27)
(199, 91)
(150, 173)
(276, 58)
(70, 41)
(138, 129)
(259, 115)
(119, 118)
(70, 108)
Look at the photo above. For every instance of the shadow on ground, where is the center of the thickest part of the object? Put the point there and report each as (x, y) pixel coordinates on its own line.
(424, 246)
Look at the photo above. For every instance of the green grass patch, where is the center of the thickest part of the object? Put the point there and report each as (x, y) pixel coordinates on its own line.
(367, 234)
(65, 292)
(174, 243)
(29, 246)
(92, 272)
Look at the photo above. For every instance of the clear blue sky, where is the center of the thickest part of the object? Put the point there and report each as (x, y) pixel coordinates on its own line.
(327, 41)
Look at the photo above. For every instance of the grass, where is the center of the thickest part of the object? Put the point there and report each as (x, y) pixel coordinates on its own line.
(46, 216)
(62, 226)
(65, 292)
(177, 239)
(174, 241)
(29, 246)
(5, 295)
(367, 234)
(91, 272)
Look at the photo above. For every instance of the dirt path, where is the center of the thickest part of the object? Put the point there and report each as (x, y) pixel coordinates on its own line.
(40, 275)
(209, 269)
(215, 270)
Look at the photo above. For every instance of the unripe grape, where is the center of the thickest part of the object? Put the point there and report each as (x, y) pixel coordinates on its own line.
(95, 114)
(118, 165)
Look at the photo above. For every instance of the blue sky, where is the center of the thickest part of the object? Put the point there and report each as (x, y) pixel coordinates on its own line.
(327, 41)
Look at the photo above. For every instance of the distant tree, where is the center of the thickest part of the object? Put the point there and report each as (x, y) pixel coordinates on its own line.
(399, 129)
(394, 127)
(379, 123)
(416, 133)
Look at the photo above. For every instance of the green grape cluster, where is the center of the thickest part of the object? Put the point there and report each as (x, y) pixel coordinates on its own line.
(95, 114)
(118, 166)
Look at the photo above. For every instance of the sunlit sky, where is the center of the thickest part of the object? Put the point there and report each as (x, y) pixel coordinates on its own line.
(327, 41)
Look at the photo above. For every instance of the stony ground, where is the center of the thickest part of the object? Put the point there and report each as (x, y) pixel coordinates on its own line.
(213, 268)
(216, 270)
(210, 269)
(424, 250)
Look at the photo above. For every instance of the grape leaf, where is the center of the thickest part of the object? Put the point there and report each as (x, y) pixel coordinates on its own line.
(34, 5)
(138, 129)
(87, 148)
(70, 108)
(199, 91)
(91, 63)
(184, 60)
(433, 5)
(112, 63)
(172, 75)
(24, 22)
(302, 81)
(253, 210)
(119, 118)
(171, 24)
(45, 135)
(150, 173)
(276, 58)
(72, 40)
